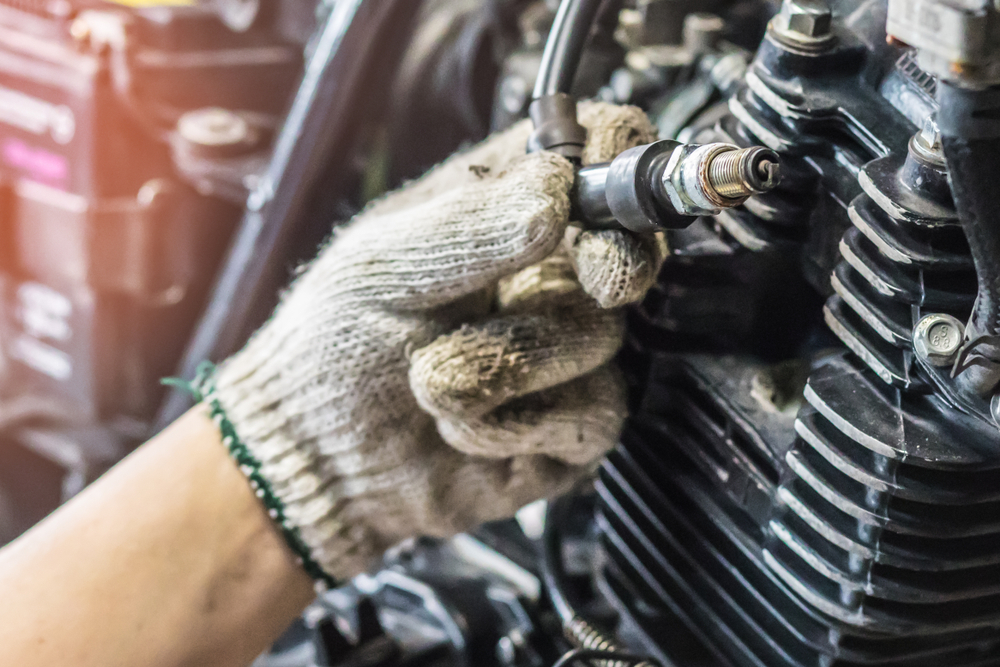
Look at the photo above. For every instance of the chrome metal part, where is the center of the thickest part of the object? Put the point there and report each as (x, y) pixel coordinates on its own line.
(937, 338)
(741, 173)
(703, 180)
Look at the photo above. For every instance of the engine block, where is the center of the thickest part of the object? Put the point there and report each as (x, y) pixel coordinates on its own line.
(861, 530)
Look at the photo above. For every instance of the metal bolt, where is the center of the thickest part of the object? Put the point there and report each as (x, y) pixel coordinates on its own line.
(937, 339)
(995, 409)
(737, 174)
(803, 23)
(927, 142)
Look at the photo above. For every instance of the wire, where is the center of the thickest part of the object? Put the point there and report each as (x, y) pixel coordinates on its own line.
(553, 573)
(564, 46)
(591, 642)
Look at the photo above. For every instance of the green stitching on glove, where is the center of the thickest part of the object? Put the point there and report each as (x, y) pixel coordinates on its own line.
(202, 388)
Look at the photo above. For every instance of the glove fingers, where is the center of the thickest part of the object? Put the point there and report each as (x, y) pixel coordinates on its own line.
(480, 489)
(573, 422)
(540, 287)
(612, 129)
(460, 242)
(615, 267)
(474, 370)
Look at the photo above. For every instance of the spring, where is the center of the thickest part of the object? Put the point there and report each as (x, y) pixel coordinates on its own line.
(585, 636)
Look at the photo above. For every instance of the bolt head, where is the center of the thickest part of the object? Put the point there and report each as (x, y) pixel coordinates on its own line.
(804, 22)
(811, 18)
(995, 409)
(937, 339)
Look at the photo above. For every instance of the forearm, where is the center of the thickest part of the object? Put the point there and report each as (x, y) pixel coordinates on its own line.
(167, 560)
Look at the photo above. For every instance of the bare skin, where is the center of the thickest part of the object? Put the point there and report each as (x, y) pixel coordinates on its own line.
(167, 560)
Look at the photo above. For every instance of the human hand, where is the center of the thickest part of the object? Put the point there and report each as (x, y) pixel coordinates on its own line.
(445, 359)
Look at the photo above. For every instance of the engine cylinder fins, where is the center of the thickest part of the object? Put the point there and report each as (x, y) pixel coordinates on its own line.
(910, 191)
(937, 249)
(875, 549)
(910, 543)
(893, 365)
(941, 290)
(905, 258)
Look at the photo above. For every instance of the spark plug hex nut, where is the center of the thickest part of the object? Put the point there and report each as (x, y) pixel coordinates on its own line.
(703, 180)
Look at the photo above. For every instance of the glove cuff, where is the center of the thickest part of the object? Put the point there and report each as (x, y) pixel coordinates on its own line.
(203, 389)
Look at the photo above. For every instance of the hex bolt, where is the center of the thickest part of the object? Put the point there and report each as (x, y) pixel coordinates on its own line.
(937, 338)
(737, 174)
(805, 24)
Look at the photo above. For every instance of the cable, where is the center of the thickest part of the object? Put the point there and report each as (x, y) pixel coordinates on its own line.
(590, 641)
(564, 47)
(553, 573)
(970, 140)
(553, 110)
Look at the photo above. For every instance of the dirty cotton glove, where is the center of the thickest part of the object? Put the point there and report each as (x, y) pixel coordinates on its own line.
(440, 363)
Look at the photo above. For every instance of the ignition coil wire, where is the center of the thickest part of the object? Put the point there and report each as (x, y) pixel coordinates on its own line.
(553, 110)
(564, 46)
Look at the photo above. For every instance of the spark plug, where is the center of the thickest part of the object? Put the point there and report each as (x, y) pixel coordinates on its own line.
(666, 185)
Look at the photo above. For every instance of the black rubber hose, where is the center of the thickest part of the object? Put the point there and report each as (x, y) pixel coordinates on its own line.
(970, 133)
(553, 110)
(564, 47)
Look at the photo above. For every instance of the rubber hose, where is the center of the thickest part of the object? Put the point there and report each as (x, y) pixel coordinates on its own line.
(564, 47)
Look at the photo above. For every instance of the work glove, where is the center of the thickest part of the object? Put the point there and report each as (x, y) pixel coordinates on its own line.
(445, 358)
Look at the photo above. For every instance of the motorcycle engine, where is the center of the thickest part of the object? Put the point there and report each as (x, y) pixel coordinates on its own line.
(808, 477)
(810, 472)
